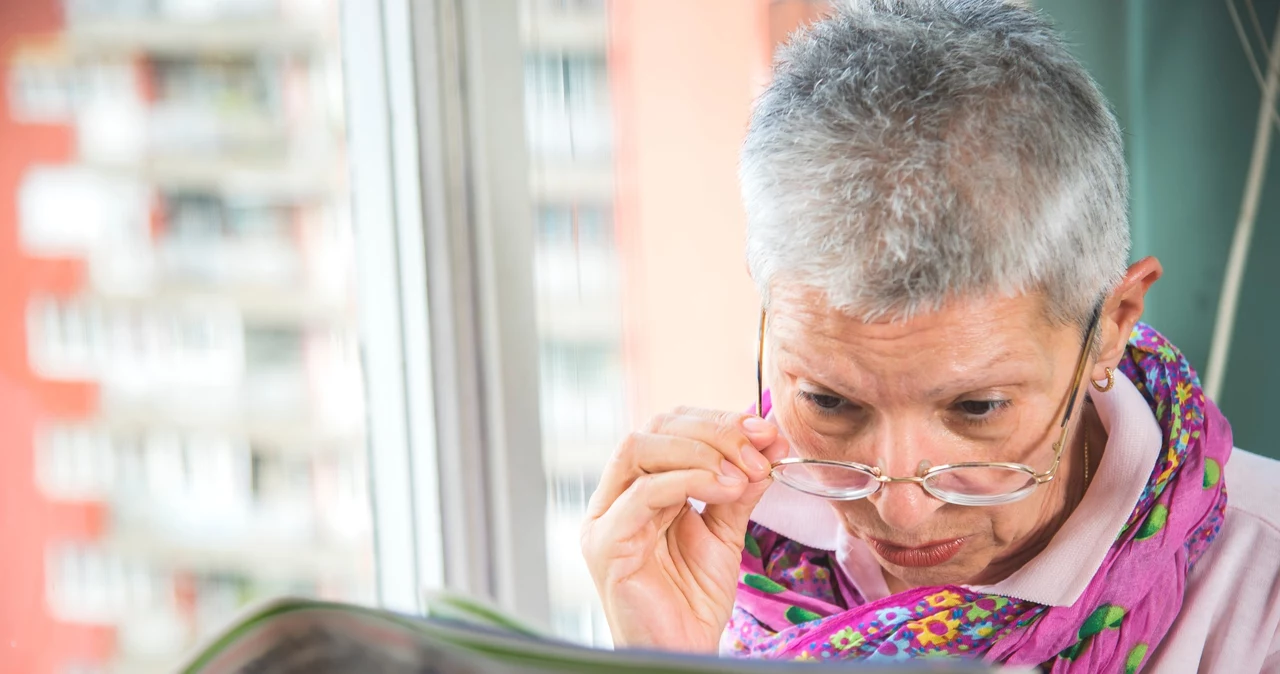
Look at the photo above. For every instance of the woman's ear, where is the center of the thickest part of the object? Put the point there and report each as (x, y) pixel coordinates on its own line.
(1122, 309)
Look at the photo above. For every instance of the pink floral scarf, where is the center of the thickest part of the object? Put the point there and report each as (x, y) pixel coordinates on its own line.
(794, 602)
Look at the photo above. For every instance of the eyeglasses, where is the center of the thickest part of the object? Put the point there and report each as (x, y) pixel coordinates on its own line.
(972, 483)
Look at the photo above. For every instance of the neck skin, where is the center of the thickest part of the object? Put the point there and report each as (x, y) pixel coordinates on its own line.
(1065, 497)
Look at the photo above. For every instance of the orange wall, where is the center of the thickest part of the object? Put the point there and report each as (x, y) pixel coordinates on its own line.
(31, 641)
(683, 76)
(785, 16)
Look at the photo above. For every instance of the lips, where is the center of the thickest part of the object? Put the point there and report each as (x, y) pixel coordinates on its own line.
(929, 554)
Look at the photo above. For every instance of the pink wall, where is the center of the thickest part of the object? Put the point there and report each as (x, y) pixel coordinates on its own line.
(684, 74)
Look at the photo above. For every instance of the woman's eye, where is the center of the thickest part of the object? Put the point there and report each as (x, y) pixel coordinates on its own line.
(826, 403)
(981, 408)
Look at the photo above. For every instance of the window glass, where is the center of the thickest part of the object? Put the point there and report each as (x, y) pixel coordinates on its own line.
(634, 114)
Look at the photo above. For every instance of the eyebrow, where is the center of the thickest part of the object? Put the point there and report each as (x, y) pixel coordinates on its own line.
(979, 380)
(966, 385)
(972, 383)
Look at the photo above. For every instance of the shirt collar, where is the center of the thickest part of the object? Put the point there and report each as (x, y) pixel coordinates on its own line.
(1061, 572)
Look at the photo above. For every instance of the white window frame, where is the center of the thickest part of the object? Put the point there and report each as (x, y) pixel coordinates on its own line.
(444, 236)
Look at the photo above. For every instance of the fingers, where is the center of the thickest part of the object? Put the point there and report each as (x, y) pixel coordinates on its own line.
(643, 454)
(778, 449)
(722, 459)
(649, 495)
(728, 519)
(715, 442)
(725, 430)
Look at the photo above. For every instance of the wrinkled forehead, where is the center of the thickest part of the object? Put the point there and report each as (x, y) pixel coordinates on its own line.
(963, 341)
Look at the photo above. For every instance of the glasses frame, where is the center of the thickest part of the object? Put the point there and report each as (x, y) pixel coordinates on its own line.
(922, 478)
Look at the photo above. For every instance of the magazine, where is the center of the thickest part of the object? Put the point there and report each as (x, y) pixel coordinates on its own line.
(458, 636)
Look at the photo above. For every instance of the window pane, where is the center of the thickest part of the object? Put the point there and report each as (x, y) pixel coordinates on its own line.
(634, 114)
(180, 384)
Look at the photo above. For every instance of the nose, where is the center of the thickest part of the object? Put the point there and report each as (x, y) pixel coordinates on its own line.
(904, 505)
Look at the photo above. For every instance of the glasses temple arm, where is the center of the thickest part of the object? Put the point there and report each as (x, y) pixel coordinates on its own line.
(760, 367)
(1080, 366)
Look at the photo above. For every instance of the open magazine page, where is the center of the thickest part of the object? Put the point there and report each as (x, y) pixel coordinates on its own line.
(292, 636)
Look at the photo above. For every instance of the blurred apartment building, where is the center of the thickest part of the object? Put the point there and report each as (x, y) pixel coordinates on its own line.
(569, 130)
(181, 382)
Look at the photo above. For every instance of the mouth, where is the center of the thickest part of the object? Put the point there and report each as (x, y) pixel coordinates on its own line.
(929, 554)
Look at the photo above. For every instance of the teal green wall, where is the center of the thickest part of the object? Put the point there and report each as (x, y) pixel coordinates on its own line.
(1180, 83)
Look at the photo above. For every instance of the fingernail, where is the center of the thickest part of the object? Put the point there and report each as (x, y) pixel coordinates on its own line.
(756, 426)
(731, 474)
(755, 460)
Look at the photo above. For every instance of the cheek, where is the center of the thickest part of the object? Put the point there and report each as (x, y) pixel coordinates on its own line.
(1012, 523)
(860, 516)
(806, 442)
(863, 518)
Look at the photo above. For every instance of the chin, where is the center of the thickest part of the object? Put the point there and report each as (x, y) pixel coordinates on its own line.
(917, 577)
(962, 570)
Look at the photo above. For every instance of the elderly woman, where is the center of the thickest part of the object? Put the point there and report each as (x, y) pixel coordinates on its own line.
(969, 445)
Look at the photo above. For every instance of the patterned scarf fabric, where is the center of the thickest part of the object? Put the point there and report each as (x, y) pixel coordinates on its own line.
(794, 602)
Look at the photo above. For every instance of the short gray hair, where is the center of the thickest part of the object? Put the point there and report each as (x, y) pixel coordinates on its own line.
(909, 152)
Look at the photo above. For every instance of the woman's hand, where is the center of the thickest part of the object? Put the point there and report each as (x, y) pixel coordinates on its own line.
(667, 575)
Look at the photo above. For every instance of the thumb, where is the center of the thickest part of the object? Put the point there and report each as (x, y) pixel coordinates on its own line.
(733, 517)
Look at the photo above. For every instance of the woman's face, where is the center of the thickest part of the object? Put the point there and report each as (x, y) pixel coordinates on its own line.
(984, 381)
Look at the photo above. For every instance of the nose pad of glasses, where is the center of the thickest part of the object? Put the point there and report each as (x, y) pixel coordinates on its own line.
(921, 468)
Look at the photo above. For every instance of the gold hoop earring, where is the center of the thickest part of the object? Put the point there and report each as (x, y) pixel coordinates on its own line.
(1111, 381)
